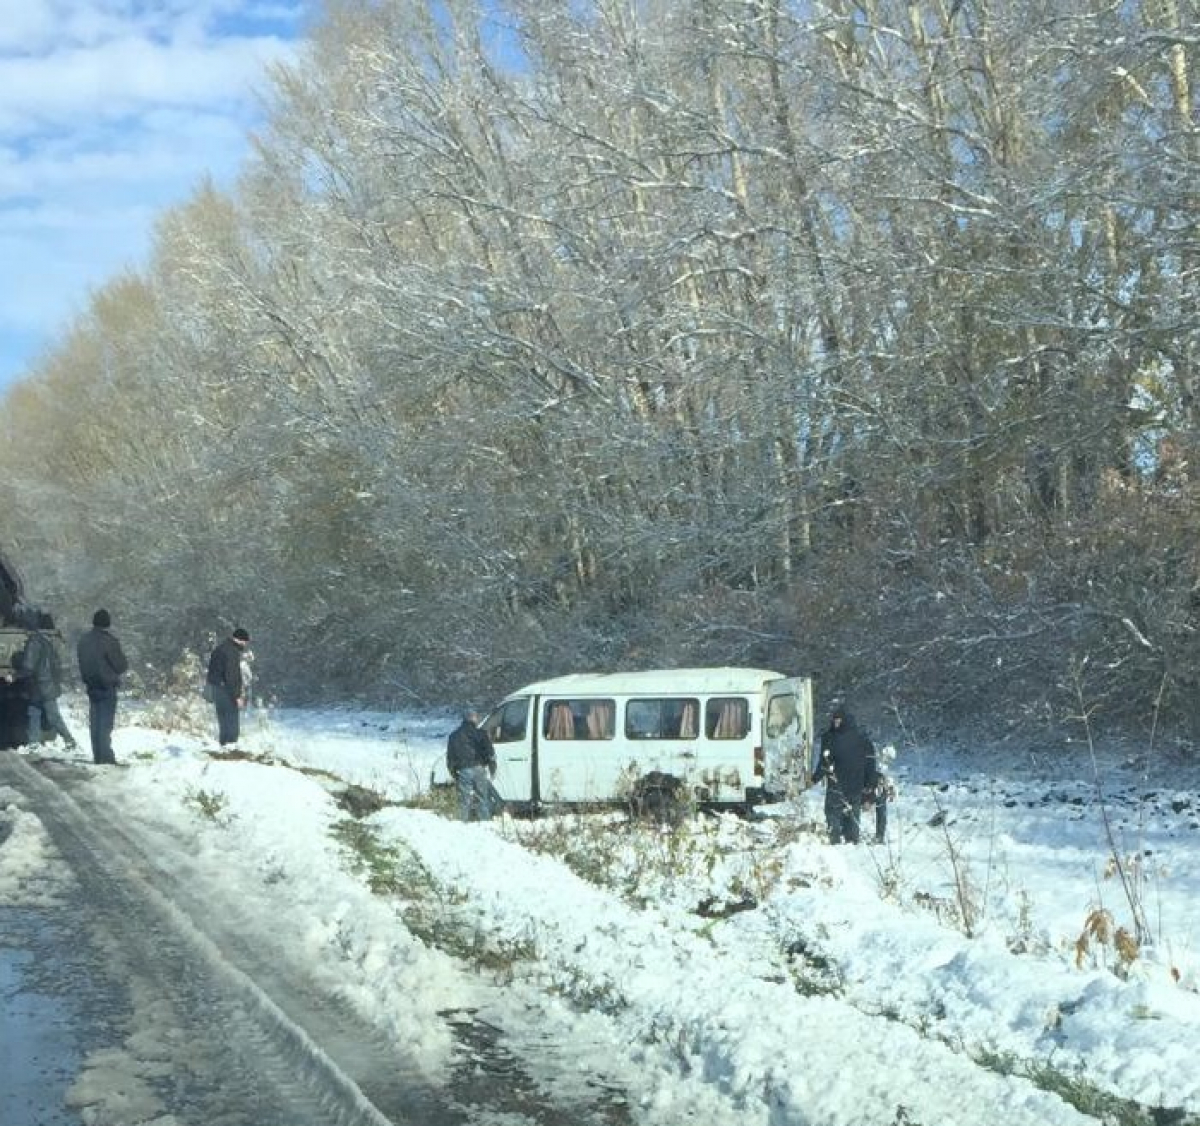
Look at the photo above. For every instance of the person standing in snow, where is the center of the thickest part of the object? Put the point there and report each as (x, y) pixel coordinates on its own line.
(224, 678)
(101, 666)
(846, 764)
(41, 669)
(471, 760)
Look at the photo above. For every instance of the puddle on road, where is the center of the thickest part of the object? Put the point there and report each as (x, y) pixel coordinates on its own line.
(39, 1052)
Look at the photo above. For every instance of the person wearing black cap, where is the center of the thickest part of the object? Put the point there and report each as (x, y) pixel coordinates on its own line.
(101, 666)
(228, 687)
(846, 763)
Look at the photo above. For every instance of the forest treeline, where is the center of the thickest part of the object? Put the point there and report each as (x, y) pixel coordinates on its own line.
(852, 339)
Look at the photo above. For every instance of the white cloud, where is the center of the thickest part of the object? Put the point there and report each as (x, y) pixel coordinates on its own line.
(86, 164)
(111, 111)
(127, 76)
(34, 27)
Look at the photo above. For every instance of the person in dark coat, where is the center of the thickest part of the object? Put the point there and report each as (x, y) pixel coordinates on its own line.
(846, 763)
(228, 687)
(471, 760)
(41, 670)
(101, 666)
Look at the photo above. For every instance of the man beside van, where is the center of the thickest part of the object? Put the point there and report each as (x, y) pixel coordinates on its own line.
(846, 764)
(471, 760)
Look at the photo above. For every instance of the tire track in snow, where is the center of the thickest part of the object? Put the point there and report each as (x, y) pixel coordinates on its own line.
(357, 1076)
(243, 1059)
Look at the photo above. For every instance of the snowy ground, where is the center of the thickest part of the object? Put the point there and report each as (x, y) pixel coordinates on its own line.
(728, 971)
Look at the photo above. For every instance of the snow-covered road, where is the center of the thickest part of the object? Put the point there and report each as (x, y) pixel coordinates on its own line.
(130, 998)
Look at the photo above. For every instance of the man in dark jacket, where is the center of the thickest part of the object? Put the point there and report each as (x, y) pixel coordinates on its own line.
(846, 762)
(471, 760)
(101, 666)
(228, 688)
(41, 670)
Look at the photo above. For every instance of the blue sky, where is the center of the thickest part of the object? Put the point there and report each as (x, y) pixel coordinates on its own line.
(112, 111)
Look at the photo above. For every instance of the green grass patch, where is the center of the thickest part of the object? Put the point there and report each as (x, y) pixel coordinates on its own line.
(436, 914)
(378, 863)
(212, 805)
(1084, 1096)
(441, 800)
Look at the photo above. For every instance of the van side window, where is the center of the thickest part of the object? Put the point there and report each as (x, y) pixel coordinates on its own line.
(726, 717)
(667, 718)
(579, 719)
(508, 724)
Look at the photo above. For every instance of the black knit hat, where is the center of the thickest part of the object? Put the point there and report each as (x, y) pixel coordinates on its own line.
(101, 619)
(240, 634)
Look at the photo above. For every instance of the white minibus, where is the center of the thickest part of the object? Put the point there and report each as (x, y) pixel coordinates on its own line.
(730, 736)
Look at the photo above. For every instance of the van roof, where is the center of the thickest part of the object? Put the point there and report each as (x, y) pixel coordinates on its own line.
(652, 682)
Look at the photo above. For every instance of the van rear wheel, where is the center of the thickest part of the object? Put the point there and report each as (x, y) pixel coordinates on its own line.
(658, 797)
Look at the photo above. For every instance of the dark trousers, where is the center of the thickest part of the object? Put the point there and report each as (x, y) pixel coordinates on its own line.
(474, 793)
(881, 816)
(227, 714)
(841, 817)
(102, 714)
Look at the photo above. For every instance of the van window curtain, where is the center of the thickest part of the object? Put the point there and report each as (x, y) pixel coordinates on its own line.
(601, 719)
(560, 723)
(731, 720)
(688, 728)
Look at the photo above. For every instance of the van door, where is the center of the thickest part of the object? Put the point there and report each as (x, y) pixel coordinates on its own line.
(510, 727)
(787, 735)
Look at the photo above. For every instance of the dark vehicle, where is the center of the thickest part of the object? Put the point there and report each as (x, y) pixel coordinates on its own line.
(16, 616)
